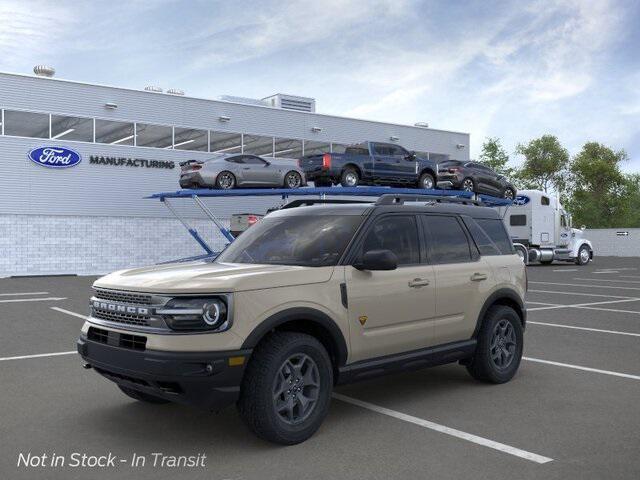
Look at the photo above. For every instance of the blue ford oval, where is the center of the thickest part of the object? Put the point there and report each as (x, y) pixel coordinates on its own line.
(55, 157)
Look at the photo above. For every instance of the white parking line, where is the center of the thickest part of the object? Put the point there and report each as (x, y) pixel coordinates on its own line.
(47, 299)
(629, 276)
(610, 310)
(566, 270)
(23, 293)
(607, 271)
(577, 294)
(587, 286)
(597, 330)
(69, 312)
(580, 367)
(607, 280)
(541, 303)
(22, 357)
(485, 442)
(583, 305)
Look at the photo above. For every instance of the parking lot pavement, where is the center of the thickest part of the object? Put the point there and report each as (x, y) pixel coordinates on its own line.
(576, 417)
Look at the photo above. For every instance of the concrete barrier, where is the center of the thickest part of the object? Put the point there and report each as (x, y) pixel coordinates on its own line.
(615, 242)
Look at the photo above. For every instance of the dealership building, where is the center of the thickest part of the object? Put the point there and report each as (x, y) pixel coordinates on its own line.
(92, 217)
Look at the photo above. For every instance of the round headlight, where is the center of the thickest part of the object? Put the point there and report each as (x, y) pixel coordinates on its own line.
(211, 313)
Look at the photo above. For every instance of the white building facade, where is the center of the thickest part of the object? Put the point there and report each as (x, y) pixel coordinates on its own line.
(91, 218)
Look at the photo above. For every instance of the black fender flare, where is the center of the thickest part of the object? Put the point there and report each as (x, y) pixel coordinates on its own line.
(502, 294)
(306, 314)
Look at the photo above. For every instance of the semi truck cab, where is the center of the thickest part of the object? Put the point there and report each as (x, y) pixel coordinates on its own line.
(539, 223)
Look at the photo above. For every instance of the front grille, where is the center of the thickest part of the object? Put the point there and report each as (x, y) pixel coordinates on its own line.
(118, 317)
(123, 340)
(124, 297)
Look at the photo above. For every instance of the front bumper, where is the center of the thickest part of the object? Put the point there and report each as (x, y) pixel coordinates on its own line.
(201, 379)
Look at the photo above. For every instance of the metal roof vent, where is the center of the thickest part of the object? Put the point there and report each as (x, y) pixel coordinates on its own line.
(175, 91)
(153, 88)
(292, 102)
(44, 71)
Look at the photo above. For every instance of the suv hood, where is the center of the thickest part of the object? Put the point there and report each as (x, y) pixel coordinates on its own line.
(206, 277)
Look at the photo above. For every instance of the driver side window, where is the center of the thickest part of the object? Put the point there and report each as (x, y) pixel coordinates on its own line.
(396, 233)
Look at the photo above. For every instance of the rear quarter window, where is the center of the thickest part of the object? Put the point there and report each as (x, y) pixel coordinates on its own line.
(494, 231)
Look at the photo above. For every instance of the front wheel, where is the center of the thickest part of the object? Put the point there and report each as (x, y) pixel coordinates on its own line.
(426, 181)
(584, 255)
(292, 180)
(225, 180)
(499, 349)
(286, 389)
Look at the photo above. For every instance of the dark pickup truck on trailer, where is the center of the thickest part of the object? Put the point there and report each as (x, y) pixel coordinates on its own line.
(370, 163)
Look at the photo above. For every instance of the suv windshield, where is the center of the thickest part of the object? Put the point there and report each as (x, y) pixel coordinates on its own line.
(310, 241)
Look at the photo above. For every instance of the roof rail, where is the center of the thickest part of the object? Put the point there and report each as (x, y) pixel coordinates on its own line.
(306, 202)
(400, 199)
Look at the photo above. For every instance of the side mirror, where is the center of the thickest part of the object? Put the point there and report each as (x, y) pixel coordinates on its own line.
(410, 156)
(267, 163)
(378, 260)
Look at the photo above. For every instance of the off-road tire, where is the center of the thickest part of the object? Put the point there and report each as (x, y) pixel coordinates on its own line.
(344, 177)
(424, 177)
(256, 403)
(482, 367)
(141, 396)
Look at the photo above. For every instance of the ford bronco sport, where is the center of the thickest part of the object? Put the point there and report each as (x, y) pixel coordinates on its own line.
(309, 298)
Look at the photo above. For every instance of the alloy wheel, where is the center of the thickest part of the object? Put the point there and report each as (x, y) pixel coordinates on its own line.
(296, 389)
(427, 183)
(293, 180)
(508, 194)
(226, 181)
(503, 344)
(351, 179)
(584, 255)
(467, 185)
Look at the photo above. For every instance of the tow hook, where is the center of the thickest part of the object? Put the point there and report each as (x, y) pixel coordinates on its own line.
(86, 366)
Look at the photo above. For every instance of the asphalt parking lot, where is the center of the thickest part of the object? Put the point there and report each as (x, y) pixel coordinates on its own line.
(571, 412)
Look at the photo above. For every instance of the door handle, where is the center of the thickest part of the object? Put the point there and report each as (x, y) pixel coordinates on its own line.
(247, 168)
(418, 282)
(478, 277)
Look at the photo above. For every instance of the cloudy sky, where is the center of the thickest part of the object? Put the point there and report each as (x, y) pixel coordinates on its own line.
(515, 70)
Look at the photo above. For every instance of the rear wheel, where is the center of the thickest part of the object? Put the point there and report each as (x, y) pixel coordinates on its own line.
(286, 390)
(350, 177)
(225, 180)
(141, 396)
(468, 185)
(292, 180)
(584, 255)
(499, 349)
(509, 193)
(426, 181)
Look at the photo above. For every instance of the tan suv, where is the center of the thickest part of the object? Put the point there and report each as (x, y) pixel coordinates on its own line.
(311, 297)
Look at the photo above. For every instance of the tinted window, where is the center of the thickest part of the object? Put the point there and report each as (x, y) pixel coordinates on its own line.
(114, 133)
(544, 200)
(494, 228)
(238, 159)
(26, 124)
(518, 220)
(312, 241)
(398, 234)
(357, 150)
(448, 241)
(485, 245)
(72, 128)
(253, 160)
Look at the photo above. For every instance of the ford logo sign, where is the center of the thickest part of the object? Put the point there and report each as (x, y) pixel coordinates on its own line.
(521, 200)
(55, 157)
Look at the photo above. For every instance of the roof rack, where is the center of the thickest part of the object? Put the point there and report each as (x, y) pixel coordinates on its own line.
(307, 202)
(394, 199)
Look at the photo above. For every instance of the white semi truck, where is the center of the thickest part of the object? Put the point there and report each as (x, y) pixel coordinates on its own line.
(542, 232)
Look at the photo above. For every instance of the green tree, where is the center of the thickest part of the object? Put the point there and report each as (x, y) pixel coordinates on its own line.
(545, 164)
(601, 195)
(494, 156)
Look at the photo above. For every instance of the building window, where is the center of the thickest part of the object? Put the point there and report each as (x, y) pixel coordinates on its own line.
(287, 148)
(26, 124)
(114, 133)
(222, 142)
(338, 148)
(71, 128)
(258, 145)
(190, 139)
(316, 148)
(156, 136)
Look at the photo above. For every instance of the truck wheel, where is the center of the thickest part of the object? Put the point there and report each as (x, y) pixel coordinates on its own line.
(426, 181)
(286, 389)
(468, 185)
(584, 255)
(225, 180)
(499, 349)
(141, 396)
(350, 178)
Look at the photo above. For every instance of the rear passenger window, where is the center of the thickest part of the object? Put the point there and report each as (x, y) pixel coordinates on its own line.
(518, 220)
(494, 228)
(398, 234)
(448, 241)
(485, 245)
